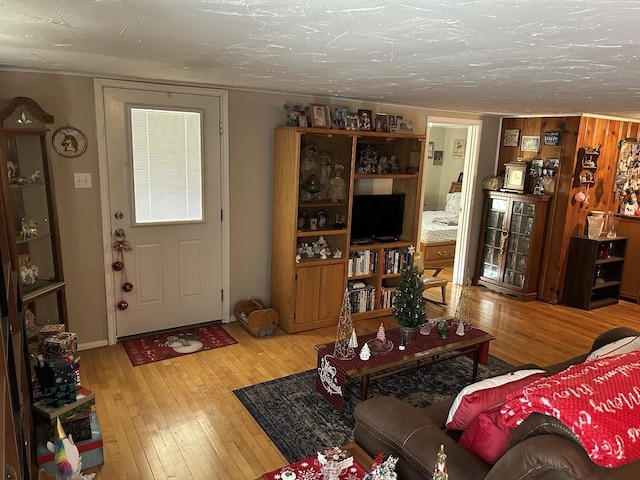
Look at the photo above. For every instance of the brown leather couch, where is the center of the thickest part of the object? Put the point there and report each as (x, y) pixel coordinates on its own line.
(540, 448)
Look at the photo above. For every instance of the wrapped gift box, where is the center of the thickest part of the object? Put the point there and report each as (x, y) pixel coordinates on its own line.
(91, 451)
(49, 330)
(77, 425)
(59, 345)
(53, 373)
(60, 395)
(84, 399)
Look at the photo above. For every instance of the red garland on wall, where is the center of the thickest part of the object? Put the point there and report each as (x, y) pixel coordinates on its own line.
(121, 245)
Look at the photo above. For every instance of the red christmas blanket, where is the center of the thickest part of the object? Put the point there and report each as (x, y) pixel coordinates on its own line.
(599, 400)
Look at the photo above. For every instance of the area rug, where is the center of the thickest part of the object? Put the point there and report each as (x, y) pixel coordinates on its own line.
(164, 345)
(300, 421)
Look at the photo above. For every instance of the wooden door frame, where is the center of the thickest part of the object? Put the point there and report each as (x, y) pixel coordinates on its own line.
(464, 257)
(99, 84)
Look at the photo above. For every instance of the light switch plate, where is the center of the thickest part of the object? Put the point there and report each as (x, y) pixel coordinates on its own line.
(82, 180)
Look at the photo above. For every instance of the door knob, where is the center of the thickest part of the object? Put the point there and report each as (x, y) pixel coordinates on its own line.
(119, 233)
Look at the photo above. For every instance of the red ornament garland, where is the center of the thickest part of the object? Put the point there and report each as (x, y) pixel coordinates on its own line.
(122, 245)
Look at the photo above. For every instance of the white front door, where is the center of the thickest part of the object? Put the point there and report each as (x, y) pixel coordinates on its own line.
(163, 151)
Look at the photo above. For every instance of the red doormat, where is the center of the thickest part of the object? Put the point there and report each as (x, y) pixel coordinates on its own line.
(161, 346)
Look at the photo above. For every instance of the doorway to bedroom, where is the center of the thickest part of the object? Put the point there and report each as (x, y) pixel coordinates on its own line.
(452, 157)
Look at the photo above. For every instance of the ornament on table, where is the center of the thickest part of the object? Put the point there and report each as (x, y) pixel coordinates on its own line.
(381, 335)
(460, 329)
(440, 469)
(443, 328)
(343, 349)
(382, 470)
(354, 339)
(365, 353)
(68, 461)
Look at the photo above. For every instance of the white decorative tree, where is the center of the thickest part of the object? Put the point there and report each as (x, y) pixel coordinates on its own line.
(343, 347)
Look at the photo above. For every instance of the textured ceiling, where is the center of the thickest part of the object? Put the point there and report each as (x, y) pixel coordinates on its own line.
(491, 56)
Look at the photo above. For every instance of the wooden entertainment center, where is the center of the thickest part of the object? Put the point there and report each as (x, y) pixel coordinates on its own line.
(310, 203)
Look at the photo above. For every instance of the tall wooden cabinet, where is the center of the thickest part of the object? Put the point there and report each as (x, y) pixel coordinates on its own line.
(511, 243)
(29, 209)
(317, 172)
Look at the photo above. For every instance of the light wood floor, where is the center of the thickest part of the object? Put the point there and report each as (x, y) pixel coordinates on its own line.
(178, 419)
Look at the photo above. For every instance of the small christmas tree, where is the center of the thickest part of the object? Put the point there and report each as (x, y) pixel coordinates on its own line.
(344, 350)
(408, 304)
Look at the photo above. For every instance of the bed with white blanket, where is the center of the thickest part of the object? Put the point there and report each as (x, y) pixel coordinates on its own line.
(439, 231)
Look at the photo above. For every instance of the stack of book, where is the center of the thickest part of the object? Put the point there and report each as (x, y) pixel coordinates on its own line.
(387, 295)
(395, 260)
(362, 262)
(362, 297)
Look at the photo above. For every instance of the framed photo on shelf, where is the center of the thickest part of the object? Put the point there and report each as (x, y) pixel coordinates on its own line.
(511, 137)
(405, 126)
(319, 118)
(339, 118)
(353, 121)
(430, 151)
(530, 143)
(382, 122)
(364, 117)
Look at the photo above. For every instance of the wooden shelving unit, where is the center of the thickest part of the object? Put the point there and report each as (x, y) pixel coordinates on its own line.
(594, 271)
(308, 292)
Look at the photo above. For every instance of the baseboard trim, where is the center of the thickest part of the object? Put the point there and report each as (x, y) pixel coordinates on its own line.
(90, 345)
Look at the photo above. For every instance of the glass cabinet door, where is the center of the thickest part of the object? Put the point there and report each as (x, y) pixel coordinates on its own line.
(494, 238)
(520, 230)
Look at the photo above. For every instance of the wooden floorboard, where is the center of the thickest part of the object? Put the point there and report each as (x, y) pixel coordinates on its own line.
(178, 419)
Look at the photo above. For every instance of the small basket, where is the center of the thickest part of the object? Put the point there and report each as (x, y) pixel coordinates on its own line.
(253, 315)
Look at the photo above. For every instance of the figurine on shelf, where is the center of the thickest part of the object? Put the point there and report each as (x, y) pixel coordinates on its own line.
(337, 253)
(28, 228)
(28, 274)
(35, 177)
(12, 170)
(337, 186)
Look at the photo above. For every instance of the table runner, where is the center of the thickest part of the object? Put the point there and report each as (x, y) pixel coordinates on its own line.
(309, 469)
(330, 374)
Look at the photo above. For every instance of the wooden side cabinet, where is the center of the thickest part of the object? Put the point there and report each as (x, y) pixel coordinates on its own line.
(594, 271)
(511, 243)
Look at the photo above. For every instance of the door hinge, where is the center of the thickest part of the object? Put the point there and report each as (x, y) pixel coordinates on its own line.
(220, 128)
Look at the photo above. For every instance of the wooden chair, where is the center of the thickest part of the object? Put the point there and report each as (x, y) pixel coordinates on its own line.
(431, 280)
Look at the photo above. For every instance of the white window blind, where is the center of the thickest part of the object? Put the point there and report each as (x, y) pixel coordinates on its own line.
(166, 146)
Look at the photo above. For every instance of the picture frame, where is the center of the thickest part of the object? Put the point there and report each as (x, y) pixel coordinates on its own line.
(405, 126)
(430, 150)
(353, 122)
(438, 157)
(530, 143)
(511, 137)
(318, 113)
(340, 118)
(552, 138)
(364, 119)
(459, 147)
(382, 122)
(393, 122)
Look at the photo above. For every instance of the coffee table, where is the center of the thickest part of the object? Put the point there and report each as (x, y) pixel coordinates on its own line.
(426, 350)
(359, 456)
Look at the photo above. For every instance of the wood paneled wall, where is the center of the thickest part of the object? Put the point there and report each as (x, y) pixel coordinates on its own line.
(566, 216)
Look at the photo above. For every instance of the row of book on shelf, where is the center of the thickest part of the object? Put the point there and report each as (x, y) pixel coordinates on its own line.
(362, 297)
(364, 262)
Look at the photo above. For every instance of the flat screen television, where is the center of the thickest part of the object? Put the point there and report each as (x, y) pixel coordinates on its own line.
(377, 217)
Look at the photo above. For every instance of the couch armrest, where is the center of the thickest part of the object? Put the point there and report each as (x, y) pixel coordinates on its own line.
(394, 427)
(555, 457)
(612, 335)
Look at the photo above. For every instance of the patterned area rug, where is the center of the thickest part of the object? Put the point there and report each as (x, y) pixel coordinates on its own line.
(164, 345)
(299, 421)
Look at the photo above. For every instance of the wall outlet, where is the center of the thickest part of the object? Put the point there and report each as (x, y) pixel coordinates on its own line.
(82, 180)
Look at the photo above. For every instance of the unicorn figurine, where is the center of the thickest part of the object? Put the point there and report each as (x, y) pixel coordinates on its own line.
(67, 457)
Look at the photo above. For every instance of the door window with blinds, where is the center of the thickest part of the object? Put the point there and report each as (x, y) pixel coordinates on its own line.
(166, 154)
